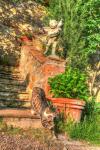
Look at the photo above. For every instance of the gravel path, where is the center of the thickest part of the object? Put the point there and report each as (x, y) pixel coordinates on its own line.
(18, 142)
(9, 142)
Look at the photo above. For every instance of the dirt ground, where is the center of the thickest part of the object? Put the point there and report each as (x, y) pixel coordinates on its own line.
(19, 142)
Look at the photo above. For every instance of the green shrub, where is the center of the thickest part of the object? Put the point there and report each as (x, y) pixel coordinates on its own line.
(44, 2)
(88, 129)
(39, 1)
(71, 84)
(14, 1)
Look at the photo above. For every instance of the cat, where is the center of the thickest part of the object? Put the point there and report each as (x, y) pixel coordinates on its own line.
(39, 105)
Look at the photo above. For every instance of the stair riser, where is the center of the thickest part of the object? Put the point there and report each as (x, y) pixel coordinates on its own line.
(12, 82)
(12, 94)
(2, 92)
(10, 78)
(14, 104)
(10, 88)
(16, 99)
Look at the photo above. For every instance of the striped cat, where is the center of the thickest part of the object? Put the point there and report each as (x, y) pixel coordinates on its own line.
(40, 106)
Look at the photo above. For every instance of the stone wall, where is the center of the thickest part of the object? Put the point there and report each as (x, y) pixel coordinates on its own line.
(16, 20)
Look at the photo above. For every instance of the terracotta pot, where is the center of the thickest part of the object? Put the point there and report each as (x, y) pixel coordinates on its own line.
(72, 108)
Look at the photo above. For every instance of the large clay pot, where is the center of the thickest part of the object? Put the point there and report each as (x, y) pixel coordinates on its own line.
(72, 108)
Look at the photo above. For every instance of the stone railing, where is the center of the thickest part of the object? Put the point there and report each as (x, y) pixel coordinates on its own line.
(38, 68)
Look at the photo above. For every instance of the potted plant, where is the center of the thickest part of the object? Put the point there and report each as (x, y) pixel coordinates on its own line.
(70, 91)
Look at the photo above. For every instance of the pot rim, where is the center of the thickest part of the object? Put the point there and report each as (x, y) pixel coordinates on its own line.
(67, 101)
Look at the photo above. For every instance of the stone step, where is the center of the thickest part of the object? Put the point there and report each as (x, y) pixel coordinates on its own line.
(10, 87)
(9, 69)
(13, 91)
(13, 85)
(23, 94)
(15, 103)
(9, 74)
(10, 77)
(15, 97)
(17, 113)
(11, 81)
(23, 100)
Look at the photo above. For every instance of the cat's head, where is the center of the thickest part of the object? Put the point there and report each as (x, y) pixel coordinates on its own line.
(48, 117)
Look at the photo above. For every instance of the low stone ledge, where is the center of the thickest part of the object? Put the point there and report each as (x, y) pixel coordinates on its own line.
(17, 113)
(23, 123)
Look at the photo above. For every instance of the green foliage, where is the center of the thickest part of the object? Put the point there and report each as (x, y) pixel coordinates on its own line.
(39, 1)
(14, 1)
(9, 129)
(71, 84)
(13, 131)
(44, 2)
(92, 26)
(4, 60)
(80, 30)
(88, 129)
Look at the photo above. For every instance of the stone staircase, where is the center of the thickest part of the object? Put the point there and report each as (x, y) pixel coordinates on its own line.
(12, 89)
(14, 100)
